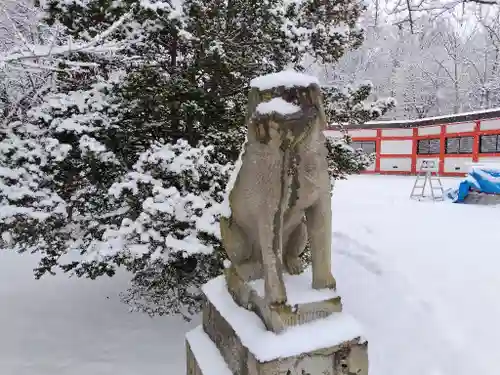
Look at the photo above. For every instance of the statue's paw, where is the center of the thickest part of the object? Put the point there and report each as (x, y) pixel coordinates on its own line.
(327, 282)
(294, 265)
(276, 295)
(276, 299)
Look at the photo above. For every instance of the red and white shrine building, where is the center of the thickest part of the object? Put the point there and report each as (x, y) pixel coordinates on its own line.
(454, 142)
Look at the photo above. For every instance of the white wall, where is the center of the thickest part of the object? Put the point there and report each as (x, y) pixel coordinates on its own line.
(397, 132)
(333, 133)
(489, 159)
(396, 147)
(456, 165)
(428, 130)
(395, 164)
(490, 124)
(363, 133)
(462, 127)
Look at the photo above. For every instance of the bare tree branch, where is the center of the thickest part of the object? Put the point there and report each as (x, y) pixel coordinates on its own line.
(35, 52)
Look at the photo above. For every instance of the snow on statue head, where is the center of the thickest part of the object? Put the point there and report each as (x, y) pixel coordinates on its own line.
(283, 107)
(279, 195)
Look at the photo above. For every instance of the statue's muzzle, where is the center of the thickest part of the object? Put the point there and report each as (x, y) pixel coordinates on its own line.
(292, 128)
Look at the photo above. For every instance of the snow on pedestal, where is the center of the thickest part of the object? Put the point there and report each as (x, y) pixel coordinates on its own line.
(267, 345)
(298, 289)
(304, 304)
(329, 345)
(209, 361)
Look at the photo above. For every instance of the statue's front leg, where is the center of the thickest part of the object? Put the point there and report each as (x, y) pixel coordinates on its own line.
(271, 262)
(295, 245)
(233, 241)
(239, 250)
(319, 231)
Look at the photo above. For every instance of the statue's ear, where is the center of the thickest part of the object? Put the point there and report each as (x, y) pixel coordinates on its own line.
(254, 99)
(253, 102)
(317, 100)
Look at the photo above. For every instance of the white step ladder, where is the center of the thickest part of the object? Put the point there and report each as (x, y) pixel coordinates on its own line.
(428, 175)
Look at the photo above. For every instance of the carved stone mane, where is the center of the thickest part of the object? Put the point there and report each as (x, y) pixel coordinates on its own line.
(281, 195)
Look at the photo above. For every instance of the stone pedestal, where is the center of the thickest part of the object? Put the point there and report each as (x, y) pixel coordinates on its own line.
(304, 304)
(315, 338)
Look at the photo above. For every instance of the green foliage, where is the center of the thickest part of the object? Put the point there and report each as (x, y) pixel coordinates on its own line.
(343, 160)
(126, 164)
(350, 105)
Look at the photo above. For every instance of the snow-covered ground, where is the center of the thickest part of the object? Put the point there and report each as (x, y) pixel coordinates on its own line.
(421, 277)
(61, 326)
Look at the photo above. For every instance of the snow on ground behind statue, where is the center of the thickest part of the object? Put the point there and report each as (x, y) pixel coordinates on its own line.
(421, 276)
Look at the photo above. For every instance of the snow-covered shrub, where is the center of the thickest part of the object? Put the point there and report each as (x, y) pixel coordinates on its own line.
(170, 233)
(125, 163)
(343, 160)
(170, 186)
(78, 206)
(350, 105)
(51, 167)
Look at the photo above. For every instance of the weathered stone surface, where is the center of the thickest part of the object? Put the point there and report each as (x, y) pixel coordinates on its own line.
(278, 317)
(348, 358)
(356, 360)
(192, 366)
(281, 199)
(225, 338)
(279, 202)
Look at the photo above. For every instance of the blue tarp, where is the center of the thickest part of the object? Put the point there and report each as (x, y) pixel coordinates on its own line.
(481, 179)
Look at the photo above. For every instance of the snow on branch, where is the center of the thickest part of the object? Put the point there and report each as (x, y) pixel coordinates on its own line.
(98, 44)
(412, 9)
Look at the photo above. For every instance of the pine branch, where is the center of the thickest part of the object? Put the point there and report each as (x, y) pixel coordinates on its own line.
(34, 52)
(17, 104)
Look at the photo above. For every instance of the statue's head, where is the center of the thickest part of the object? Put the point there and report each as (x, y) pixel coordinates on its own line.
(284, 116)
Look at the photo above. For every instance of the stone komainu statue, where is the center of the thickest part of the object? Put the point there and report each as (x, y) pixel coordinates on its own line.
(281, 195)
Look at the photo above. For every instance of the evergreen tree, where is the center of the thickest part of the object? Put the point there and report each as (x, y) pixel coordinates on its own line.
(350, 105)
(125, 163)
